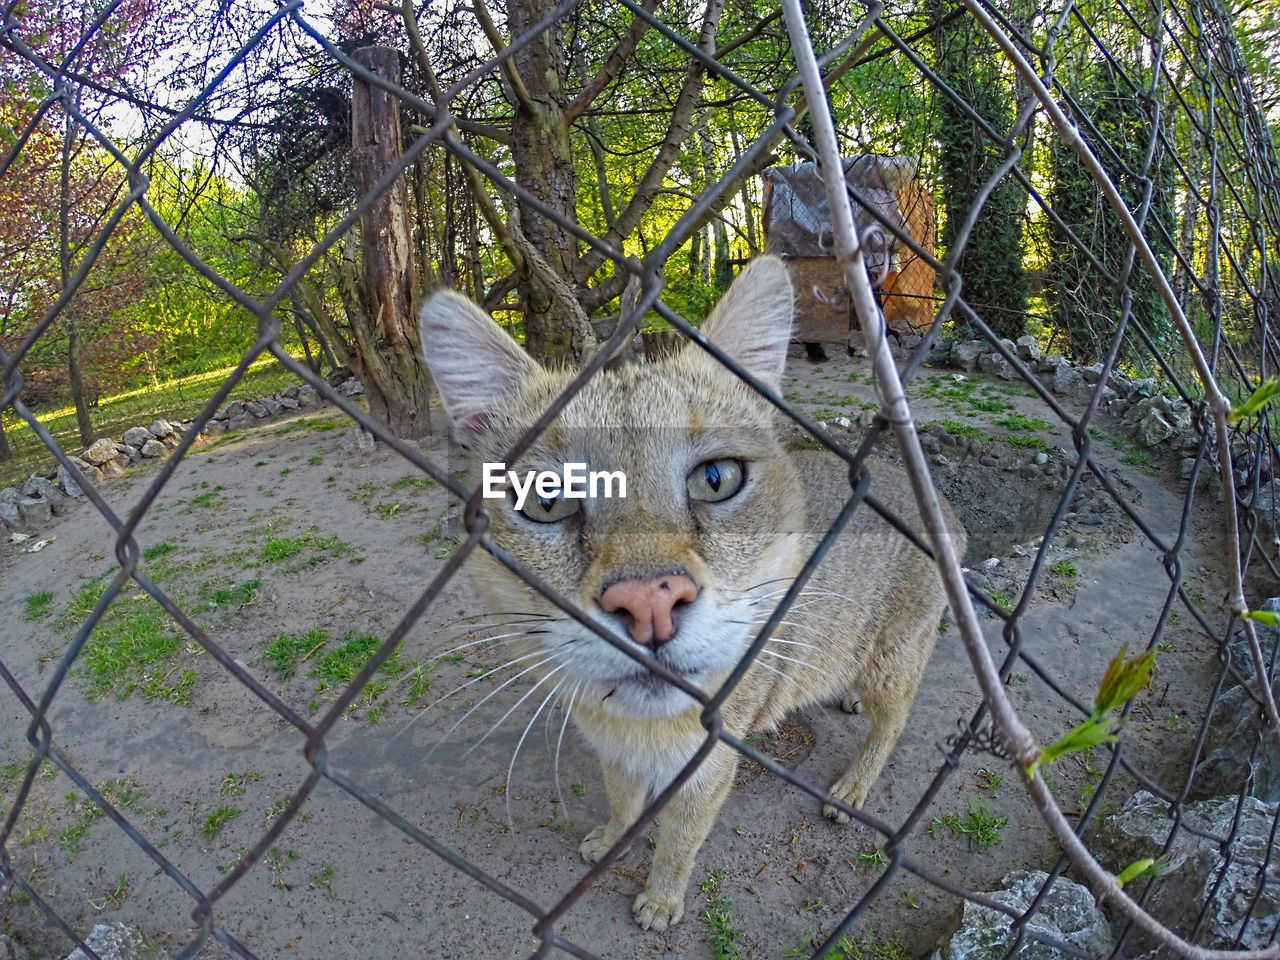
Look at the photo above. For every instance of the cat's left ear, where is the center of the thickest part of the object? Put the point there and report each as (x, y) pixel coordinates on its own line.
(752, 322)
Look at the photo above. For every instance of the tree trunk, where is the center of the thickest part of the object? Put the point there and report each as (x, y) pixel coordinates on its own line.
(543, 158)
(83, 422)
(5, 452)
(388, 345)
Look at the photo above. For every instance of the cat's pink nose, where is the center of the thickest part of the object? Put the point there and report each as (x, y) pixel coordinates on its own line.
(651, 605)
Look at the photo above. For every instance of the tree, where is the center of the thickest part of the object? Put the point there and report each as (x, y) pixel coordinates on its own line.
(995, 283)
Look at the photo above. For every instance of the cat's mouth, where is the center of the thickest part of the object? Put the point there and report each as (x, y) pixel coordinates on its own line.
(651, 685)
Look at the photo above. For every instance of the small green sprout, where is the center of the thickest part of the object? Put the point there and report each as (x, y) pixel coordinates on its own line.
(1121, 682)
(1257, 400)
(1152, 867)
(1264, 617)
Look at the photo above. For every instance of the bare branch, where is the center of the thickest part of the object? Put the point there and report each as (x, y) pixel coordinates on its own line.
(613, 64)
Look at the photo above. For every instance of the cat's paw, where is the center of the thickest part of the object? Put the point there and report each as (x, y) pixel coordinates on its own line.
(656, 912)
(597, 843)
(850, 703)
(854, 797)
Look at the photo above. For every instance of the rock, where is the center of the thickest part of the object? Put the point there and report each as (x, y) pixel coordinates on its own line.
(215, 428)
(1186, 467)
(100, 451)
(360, 443)
(242, 422)
(127, 453)
(965, 354)
(1041, 458)
(844, 423)
(307, 396)
(172, 441)
(290, 392)
(1050, 362)
(10, 495)
(68, 485)
(160, 428)
(12, 950)
(254, 408)
(1028, 471)
(230, 411)
(941, 352)
(112, 469)
(1066, 379)
(1232, 746)
(351, 388)
(153, 448)
(34, 511)
(995, 363)
(9, 514)
(113, 941)
(1154, 429)
(1067, 913)
(1028, 349)
(989, 460)
(1141, 829)
(1092, 373)
(1143, 388)
(43, 488)
(273, 405)
(136, 436)
(288, 403)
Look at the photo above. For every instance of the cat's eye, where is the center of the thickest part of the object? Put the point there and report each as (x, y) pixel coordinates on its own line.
(550, 509)
(715, 480)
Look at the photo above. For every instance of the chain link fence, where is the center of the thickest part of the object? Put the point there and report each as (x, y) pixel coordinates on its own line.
(1191, 179)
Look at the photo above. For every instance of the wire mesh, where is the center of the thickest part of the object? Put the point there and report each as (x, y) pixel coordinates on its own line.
(1198, 139)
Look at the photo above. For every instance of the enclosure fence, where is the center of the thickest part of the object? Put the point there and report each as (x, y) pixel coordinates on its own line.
(1190, 68)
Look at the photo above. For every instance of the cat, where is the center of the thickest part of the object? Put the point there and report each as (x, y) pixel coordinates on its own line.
(718, 518)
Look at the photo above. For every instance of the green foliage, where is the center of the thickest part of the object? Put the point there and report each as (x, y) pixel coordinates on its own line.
(1085, 310)
(995, 283)
(716, 918)
(1120, 683)
(980, 828)
(38, 604)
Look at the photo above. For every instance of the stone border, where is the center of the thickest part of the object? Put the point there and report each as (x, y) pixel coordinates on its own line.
(45, 495)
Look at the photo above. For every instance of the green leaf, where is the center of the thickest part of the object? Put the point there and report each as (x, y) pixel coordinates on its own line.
(1264, 617)
(1122, 680)
(1257, 400)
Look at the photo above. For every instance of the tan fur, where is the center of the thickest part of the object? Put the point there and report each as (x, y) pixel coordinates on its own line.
(863, 628)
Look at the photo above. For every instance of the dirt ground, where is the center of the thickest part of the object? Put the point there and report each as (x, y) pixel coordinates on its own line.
(291, 552)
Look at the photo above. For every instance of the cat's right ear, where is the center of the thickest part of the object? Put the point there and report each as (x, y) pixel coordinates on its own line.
(474, 362)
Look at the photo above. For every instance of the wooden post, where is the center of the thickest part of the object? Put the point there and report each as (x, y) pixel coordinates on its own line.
(388, 346)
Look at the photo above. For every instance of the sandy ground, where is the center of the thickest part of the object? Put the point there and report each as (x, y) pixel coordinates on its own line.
(200, 779)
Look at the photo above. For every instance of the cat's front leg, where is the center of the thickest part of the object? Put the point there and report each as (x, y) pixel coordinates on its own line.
(626, 802)
(683, 824)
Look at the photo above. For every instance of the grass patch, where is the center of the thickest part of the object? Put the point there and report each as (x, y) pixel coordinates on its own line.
(157, 550)
(1016, 421)
(134, 646)
(957, 429)
(207, 498)
(980, 828)
(286, 650)
(721, 933)
(213, 823)
(38, 604)
(1022, 440)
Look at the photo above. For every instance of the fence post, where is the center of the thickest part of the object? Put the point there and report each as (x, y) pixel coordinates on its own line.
(384, 325)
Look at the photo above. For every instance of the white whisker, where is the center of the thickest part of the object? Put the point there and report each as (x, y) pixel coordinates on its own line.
(511, 768)
(502, 719)
(560, 739)
(489, 696)
(778, 656)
